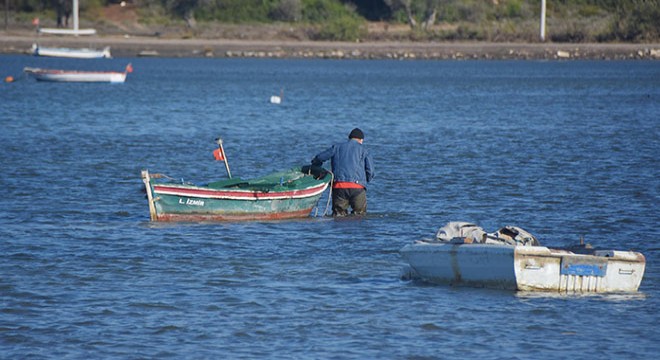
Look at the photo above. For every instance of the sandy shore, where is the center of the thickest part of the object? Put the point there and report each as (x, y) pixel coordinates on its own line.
(130, 46)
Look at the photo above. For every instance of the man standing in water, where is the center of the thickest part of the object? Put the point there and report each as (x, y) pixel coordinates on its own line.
(353, 168)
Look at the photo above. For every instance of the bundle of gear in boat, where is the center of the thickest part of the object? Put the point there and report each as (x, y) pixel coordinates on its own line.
(467, 233)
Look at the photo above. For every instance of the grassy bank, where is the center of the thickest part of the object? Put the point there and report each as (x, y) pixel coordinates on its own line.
(567, 21)
(473, 29)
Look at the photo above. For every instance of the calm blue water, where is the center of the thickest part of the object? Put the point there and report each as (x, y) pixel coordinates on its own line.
(562, 149)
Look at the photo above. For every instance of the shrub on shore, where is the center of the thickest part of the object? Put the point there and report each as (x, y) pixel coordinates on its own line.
(426, 20)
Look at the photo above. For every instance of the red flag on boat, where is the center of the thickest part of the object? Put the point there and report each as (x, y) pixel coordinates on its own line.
(129, 68)
(218, 154)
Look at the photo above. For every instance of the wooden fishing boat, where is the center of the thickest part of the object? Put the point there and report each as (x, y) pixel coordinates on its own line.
(82, 53)
(282, 195)
(78, 76)
(462, 261)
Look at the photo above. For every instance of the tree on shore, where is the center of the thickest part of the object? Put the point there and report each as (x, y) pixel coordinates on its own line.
(186, 9)
(424, 10)
(437, 20)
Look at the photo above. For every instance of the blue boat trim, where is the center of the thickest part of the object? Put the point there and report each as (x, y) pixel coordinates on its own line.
(583, 267)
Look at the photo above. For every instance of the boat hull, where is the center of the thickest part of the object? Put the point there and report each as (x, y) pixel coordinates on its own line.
(76, 76)
(75, 32)
(170, 202)
(525, 268)
(71, 53)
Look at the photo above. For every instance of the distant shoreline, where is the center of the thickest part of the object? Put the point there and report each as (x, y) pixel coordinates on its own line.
(131, 46)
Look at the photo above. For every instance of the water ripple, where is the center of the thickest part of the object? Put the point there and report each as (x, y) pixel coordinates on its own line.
(563, 149)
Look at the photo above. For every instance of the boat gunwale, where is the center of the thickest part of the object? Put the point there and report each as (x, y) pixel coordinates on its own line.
(244, 194)
(540, 251)
(41, 71)
(253, 191)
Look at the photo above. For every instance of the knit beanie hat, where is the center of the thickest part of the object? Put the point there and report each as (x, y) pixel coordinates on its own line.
(356, 134)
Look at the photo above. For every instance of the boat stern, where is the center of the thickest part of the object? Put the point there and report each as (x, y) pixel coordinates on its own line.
(146, 179)
(607, 271)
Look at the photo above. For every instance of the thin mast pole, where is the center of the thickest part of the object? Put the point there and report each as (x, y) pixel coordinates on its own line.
(224, 156)
(542, 20)
(75, 16)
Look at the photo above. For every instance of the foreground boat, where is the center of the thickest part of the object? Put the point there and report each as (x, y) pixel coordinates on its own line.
(83, 53)
(283, 195)
(502, 261)
(78, 76)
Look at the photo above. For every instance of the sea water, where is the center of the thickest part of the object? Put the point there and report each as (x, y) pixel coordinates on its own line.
(563, 149)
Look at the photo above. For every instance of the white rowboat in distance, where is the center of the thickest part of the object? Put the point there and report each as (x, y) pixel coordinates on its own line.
(83, 53)
(74, 32)
(54, 75)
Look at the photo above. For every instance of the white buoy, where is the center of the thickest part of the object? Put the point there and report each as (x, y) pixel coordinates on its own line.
(277, 99)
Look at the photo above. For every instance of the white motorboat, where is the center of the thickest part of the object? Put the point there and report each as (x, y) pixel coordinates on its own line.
(82, 53)
(464, 255)
(78, 76)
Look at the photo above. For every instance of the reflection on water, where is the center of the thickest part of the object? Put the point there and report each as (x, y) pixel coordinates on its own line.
(562, 149)
(611, 297)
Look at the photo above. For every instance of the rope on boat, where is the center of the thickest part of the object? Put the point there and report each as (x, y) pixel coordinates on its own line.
(327, 205)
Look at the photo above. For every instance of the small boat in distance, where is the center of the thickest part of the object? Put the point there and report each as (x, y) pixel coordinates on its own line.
(462, 254)
(54, 75)
(281, 195)
(83, 53)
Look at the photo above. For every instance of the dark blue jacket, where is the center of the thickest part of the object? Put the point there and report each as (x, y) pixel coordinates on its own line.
(350, 162)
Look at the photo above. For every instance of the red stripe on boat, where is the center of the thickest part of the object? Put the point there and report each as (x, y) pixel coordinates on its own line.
(237, 194)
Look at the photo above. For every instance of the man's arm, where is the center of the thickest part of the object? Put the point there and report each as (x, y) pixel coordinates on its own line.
(323, 156)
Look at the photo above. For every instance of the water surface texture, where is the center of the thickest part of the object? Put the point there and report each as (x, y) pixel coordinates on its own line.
(562, 149)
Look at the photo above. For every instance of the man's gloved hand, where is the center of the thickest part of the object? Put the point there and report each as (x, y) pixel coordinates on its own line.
(316, 162)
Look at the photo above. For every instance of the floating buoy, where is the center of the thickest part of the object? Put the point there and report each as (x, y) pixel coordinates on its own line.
(9, 79)
(277, 99)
